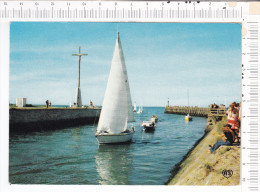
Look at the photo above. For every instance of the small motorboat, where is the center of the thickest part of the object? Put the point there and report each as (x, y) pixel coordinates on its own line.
(188, 117)
(154, 119)
(148, 125)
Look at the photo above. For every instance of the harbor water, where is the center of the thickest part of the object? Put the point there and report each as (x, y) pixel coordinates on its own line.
(73, 156)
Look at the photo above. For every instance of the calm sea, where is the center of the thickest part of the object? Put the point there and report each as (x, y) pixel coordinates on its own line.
(73, 156)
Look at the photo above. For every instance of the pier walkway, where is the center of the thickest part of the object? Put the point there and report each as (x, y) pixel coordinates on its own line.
(197, 111)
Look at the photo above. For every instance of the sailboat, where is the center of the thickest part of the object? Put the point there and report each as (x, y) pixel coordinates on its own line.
(139, 110)
(115, 114)
(188, 117)
(134, 107)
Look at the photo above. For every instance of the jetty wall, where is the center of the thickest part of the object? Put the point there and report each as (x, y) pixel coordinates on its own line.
(33, 119)
(212, 113)
(194, 111)
(199, 167)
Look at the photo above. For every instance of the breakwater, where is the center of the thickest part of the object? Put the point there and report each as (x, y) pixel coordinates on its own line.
(35, 119)
(212, 113)
(199, 167)
(194, 111)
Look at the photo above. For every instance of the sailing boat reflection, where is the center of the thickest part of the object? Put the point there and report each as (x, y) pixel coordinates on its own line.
(114, 164)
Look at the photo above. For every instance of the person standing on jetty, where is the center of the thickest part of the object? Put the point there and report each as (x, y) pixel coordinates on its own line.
(47, 103)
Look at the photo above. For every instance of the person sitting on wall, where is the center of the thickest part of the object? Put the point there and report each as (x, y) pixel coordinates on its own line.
(228, 138)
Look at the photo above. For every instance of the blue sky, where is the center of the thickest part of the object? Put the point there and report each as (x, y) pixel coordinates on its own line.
(163, 60)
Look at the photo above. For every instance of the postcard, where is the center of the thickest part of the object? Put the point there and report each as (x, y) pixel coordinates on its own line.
(126, 105)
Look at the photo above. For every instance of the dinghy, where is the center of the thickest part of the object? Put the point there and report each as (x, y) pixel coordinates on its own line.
(117, 105)
(148, 125)
(188, 117)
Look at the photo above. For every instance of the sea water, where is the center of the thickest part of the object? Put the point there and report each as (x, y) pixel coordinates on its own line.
(73, 156)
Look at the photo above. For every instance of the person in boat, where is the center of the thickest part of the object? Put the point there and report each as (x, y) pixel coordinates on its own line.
(228, 138)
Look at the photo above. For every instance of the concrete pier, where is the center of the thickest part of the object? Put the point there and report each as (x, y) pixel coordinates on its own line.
(213, 114)
(197, 111)
(194, 111)
(198, 167)
(37, 119)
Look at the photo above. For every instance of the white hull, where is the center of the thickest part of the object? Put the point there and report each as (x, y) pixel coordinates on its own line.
(114, 138)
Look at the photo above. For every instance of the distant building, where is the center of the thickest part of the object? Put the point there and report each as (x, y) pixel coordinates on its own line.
(20, 102)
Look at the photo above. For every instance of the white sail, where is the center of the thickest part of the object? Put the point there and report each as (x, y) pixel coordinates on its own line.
(139, 110)
(116, 104)
(130, 107)
(135, 106)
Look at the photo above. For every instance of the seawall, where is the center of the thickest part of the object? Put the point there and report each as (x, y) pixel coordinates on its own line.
(199, 167)
(34, 119)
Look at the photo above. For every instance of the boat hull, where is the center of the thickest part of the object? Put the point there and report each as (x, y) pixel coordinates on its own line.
(114, 138)
(149, 128)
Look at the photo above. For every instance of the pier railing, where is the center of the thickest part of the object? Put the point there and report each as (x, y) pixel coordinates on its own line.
(217, 112)
(196, 111)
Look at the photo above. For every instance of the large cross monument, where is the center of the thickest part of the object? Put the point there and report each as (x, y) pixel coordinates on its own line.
(78, 101)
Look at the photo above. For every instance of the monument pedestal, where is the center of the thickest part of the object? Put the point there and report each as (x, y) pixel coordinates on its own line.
(78, 101)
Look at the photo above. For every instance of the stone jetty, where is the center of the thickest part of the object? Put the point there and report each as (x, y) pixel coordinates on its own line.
(28, 119)
(194, 111)
(213, 114)
(197, 111)
(199, 167)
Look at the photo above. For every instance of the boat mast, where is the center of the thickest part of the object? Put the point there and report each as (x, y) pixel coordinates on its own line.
(188, 97)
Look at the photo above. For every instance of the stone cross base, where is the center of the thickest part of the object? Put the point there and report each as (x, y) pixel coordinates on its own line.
(78, 101)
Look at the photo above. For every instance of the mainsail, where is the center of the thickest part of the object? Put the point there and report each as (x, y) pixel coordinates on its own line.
(117, 101)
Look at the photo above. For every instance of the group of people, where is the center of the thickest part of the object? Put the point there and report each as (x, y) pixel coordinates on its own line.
(231, 131)
(215, 106)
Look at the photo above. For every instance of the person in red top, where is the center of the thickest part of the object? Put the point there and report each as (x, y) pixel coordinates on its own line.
(233, 115)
